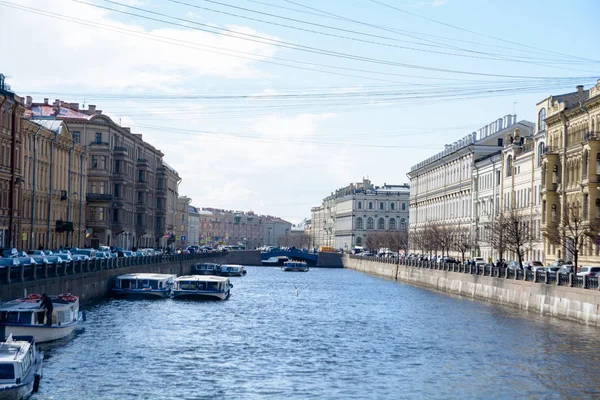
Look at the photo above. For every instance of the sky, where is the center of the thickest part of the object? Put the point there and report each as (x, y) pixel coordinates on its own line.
(271, 105)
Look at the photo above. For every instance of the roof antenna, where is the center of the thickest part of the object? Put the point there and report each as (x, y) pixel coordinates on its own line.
(83, 102)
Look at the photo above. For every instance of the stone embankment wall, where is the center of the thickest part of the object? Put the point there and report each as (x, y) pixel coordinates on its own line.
(247, 257)
(92, 280)
(540, 295)
(329, 260)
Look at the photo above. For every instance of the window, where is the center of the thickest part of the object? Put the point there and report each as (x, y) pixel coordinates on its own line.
(158, 222)
(403, 224)
(360, 205)
(117, 192)
(159, 204)
(139, 218)
(100, 214)
(381, 205)
(369, 223)
(392, 224)
(500, 142)
(358, 241)
(103, 162)
(554, 211)
(540, 154)
(585, 206)
(509, 166)
(94, 162)
(159, 183)
(115, 215)
(371, 204)
(359, 223)
(98, 137)
(117, 166)
(403, 206)
(597, 208)
(102, 187)
(76, 136)
(542, 120)
(392, 206)
(381, 224)
(140, 196)
(140, 176)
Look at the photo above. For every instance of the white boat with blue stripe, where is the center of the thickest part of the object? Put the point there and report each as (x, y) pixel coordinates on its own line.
(144, 285)
(20, 367)
(24, 317)
(295, 266)
(207, 287)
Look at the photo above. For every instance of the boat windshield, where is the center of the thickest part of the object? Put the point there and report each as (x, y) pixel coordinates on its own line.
(7, 371)
(187, 285)
(15, 317)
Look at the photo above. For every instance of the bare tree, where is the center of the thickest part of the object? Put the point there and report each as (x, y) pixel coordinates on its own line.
(395, 241)
(373, 241)
(518, 234)
(571, 232)
(463, 241)
(494, 234)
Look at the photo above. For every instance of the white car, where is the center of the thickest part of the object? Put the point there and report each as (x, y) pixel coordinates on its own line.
(588, 270)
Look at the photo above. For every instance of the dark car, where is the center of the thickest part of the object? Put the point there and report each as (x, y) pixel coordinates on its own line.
(9, 252)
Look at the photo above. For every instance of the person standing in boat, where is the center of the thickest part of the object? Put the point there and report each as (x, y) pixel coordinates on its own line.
(46, 302)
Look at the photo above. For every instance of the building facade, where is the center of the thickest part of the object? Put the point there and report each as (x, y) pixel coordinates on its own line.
(193, 235)
(55, 176)
(11, 112)
(182, 222)
(441, 187)
(123, 172)
(571, 172)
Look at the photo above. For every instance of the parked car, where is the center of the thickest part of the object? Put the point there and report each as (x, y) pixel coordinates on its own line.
(124, 253)
(513, 265)
(552, 269)
(102, 255)
(27, 260)
(77, 257)
(534, 265)
(37, 253)
(566, 269)
(55, 259)
(40, 259)
(9, 262)
(588, 270)
(91, 253)
(66, 257)
(9, 252)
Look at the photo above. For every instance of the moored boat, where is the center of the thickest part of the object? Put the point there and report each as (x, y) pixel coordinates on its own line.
(207, 269)
(274, 261)
(20, 367)
(207, 287)
(295, 266)
(24, 317)
(232, 270)
(144, 285)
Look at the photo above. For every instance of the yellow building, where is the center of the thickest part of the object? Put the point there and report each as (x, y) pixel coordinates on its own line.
(53, 191)
(571, 175)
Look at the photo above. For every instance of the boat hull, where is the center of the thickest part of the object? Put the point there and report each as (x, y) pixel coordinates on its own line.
(41, 333)
(294, 269)
(21, 391)
(200, 295)
(148, 294)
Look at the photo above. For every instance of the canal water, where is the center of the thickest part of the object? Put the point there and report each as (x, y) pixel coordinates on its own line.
(323, 334)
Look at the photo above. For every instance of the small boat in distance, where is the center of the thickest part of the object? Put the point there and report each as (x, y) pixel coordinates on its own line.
(274, 261)
(232, 270)
(207, 269)
(24, 317)
(144, 285)
(20, 367)
(206, 287)
(295, 266)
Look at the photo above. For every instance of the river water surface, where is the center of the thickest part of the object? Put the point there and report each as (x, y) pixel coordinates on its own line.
(343, 335)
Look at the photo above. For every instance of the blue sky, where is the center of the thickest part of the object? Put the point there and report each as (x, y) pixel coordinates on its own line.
(254, 135)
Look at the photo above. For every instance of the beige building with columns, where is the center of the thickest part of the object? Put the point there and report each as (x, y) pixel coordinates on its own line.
(571, 167)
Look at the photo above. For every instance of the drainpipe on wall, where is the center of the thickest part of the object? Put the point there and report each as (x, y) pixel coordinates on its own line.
(13, 172)
(81, 198)
(50, 189)
(69, 190)
(33, 195)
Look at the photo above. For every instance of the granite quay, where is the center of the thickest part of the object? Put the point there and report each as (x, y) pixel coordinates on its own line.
(560, 295)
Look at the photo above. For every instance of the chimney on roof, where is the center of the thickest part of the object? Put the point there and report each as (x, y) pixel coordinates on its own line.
(45, 100)
(74, 106)
(56, 103)
(91, 109)
(28, 101)
(580, 90)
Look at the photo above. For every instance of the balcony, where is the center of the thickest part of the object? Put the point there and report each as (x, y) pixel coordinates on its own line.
(120, 151)
(142, 185)
(117, 226)
(141, 207)
(161, 192)
(161, 171)
(98, 197)
(143, 163)
(96, 147)
(141, 229)
(160, 212)
(96, 224)
(119, 176)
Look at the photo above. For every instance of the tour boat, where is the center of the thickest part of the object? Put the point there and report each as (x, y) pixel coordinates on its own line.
(207, 269)
(24, 317)
(20, 367)
(232, 270)
(274, 261)
(295, 266)
(144, 285)
(202, 287)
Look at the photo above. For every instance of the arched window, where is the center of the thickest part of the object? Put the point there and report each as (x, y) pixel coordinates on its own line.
(542, 120)
(359, 223)
(369, 223)
(360, 205)
(392, 224)
(403, 206)
(540, 154)
(598, 163)
(402, 224)
(554, 212)
(555, 178)
(370, 205)
(584, 164)
(381, 224)
(392, 206)
(381, 205)
(509, 167)
(358, 241)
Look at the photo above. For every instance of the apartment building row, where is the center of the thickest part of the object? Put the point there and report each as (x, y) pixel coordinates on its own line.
(349, 214)
(548, 171)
